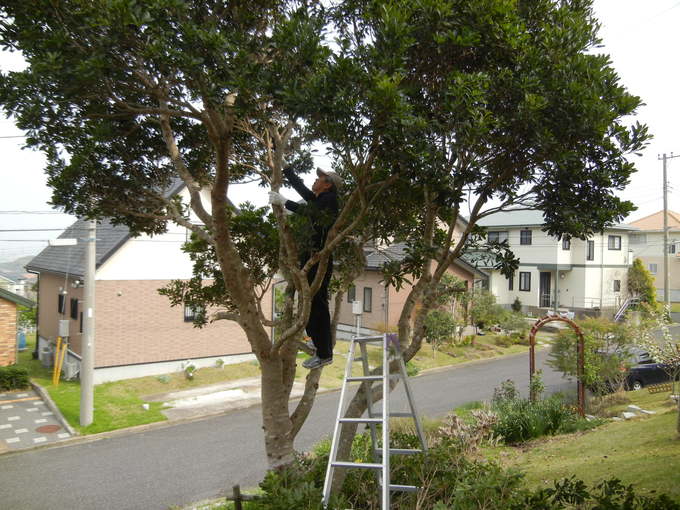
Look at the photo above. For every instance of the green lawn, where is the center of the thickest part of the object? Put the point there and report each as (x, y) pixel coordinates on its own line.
(675, 307)
(644, 452)
(119, 404)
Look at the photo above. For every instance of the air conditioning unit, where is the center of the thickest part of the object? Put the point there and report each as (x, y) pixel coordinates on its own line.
(46, 357)
(70, 369)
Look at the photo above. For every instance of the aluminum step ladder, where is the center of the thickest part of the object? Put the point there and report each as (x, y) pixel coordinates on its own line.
(381, 456)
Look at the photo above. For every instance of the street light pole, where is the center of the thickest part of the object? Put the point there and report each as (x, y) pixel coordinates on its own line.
(87, 348)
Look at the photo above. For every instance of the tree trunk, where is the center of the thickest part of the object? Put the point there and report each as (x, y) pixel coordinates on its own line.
(276, 423)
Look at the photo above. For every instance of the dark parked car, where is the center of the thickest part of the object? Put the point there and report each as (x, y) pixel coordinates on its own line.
(644, 372)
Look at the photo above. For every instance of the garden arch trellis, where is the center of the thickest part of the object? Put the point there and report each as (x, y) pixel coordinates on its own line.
(580, 359)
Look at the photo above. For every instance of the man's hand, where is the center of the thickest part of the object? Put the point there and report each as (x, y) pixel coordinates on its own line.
(276, 198)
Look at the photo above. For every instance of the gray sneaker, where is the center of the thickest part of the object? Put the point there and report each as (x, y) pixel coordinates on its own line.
(316, 362)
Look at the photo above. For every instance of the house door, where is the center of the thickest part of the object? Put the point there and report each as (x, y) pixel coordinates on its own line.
(544, 290)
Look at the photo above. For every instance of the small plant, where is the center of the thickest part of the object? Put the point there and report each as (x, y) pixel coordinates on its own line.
(13, 378)
(411, 369)
(165, 379)
(219, 363)
(190, 371)
(516, 305)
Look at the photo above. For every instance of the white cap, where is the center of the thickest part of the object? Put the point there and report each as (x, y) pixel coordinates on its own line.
(334, 177)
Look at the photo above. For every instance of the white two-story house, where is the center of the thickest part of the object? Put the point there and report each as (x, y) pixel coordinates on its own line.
(568, 274)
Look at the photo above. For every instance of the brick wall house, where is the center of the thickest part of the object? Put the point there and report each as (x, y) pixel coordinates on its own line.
(8, 325)
(381, 304)
(137, 332)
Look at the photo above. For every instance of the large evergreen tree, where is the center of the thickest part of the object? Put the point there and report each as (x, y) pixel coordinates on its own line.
(423, 106)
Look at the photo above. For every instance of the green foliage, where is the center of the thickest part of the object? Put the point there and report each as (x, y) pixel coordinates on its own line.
(516, 305)
(27, 316)
(607, 353)
(440, 327)
(484, 311)
(641, 283)
(608, 494)
(13, 378)
(521, 419)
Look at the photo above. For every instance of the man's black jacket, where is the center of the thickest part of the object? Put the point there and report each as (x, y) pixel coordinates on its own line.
(321, 210)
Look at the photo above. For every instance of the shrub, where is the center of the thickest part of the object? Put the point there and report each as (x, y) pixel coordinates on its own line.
(521, 419)
(440, 327)
(516, 305)
(13, 378)
(504, 340)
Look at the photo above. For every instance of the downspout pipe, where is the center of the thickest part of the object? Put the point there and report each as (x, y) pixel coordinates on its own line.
(37, 314)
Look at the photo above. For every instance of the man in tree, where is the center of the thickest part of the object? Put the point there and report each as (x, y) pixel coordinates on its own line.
(322, 211)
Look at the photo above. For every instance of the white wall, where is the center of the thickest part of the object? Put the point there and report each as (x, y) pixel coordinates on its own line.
(153, 258)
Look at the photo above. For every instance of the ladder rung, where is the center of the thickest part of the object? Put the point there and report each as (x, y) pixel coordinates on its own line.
(401, 415)
(404, 488)
(368, 339)
(365, 378)
(392, 415)
(360, 420)
(364, 465)
(401, 451)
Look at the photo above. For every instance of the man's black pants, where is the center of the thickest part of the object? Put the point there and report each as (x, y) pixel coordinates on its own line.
(319, 323)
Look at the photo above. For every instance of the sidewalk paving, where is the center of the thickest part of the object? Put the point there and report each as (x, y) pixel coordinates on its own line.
(26, 421)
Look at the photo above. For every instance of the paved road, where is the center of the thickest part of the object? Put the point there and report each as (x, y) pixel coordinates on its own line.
(184, 463)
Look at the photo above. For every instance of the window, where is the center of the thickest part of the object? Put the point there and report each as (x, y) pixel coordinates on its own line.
(525, 236)
(80, 326)
(637, 238)
(368, 299)
(351, 294)
(590, 253)
(497, 236)
(74, 308)
(617, 285)
(191, 312)
(61, 303)
(524, 281)
(566, 244)
(653, 268)
(671, 248)
(511, 281)
(614, 243)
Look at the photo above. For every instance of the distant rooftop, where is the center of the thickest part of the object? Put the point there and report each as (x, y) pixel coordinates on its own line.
(655, 221)
(524, 218)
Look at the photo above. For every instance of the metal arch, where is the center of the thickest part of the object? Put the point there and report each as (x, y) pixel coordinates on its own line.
(580, 361)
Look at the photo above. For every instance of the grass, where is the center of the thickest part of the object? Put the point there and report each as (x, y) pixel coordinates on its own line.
(675, 307)
(118, 404)
(644, 452)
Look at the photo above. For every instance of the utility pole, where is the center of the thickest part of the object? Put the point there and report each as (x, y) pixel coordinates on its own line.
(87, 348)
(666, 266)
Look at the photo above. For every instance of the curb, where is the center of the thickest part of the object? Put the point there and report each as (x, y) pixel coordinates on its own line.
(53, 407)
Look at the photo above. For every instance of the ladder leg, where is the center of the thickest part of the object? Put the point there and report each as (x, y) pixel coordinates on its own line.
(336, 430)
(386, 427)
(411, 401)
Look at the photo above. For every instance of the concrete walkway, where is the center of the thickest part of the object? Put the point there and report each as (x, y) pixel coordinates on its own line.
(26, 421)
(214, 399)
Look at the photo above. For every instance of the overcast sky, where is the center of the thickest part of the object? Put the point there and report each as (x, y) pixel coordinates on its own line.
(640, 36)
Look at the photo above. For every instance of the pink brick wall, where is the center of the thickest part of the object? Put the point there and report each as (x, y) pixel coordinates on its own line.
(134, 324)
(137, 325)
(8, 331)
